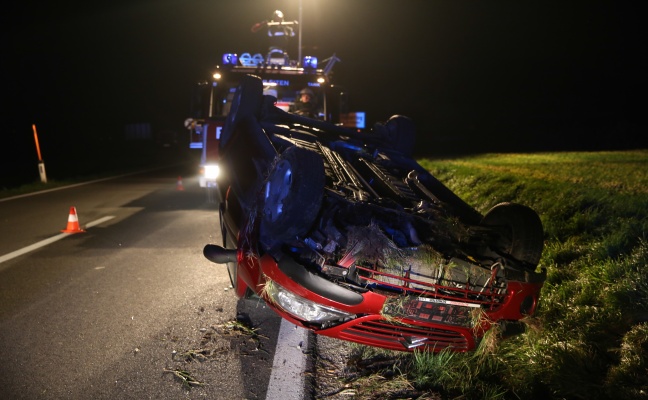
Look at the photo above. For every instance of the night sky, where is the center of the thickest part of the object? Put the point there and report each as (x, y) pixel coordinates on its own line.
(474, 75)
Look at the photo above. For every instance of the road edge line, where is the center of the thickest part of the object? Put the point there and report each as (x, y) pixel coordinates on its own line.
(45, 242)
(287, 379)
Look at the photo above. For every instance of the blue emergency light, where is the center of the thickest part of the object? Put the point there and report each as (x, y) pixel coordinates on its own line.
(230, 59)
(310, 62)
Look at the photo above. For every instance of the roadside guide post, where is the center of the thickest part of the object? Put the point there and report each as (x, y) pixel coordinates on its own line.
(41, 163)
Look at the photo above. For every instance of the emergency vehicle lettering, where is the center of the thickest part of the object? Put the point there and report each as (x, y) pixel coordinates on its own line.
(277, 82)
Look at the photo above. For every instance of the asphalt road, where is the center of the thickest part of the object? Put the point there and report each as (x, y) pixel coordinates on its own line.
(124, 309)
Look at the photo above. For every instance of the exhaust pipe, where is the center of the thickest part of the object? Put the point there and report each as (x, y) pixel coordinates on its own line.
(219, 254)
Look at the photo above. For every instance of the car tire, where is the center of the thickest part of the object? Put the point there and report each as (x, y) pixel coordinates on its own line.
(231, 267)
(521, 233)
(240, 287)
(291, 196)
(247, 100)
(401, 134)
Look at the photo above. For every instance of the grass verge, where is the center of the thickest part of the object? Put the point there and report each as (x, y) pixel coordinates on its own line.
(589, 337)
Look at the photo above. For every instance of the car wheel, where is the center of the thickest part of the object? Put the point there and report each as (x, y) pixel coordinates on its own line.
(521, 233)
(240, 287)
(247, 101)
(231, 267)
(401, 134)
(292, 195)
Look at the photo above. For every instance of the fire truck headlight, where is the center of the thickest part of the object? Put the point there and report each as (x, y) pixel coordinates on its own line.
(305, 309)
(212, 171)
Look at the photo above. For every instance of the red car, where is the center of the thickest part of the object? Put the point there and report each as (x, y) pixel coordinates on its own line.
(342, 232)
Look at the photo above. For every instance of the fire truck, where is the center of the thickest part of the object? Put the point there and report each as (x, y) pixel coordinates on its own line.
(282, 78)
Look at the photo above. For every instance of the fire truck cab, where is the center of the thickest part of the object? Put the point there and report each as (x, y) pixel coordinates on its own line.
(282, 78)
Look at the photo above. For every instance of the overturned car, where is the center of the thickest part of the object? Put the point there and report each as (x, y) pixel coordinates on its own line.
(342, 232)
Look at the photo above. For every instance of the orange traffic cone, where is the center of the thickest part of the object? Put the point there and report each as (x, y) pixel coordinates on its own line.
(179, 186)
(73, 223)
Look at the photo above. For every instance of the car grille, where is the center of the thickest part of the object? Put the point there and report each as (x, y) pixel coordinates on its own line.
(485, 289)
(400, 336)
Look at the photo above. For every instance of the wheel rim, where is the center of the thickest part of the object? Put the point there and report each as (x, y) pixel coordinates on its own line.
(277, 189)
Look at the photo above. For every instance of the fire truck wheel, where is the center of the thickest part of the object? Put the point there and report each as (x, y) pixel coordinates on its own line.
(401, 134)
(292, 196)
(247, 101)
(521, 232)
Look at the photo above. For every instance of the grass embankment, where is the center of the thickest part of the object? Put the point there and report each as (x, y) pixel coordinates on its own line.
(589, 337)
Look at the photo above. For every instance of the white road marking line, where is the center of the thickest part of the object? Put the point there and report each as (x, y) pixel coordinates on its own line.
(20, 196)
(287, 380)
(51, 240)
(99, 221)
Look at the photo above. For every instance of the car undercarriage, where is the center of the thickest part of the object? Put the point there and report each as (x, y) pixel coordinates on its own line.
(344, 233)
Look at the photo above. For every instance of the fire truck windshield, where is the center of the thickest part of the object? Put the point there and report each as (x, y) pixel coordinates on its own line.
(287, 90)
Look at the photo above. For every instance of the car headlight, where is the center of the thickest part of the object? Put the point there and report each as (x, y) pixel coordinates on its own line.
(304, 309)
(211, 171)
